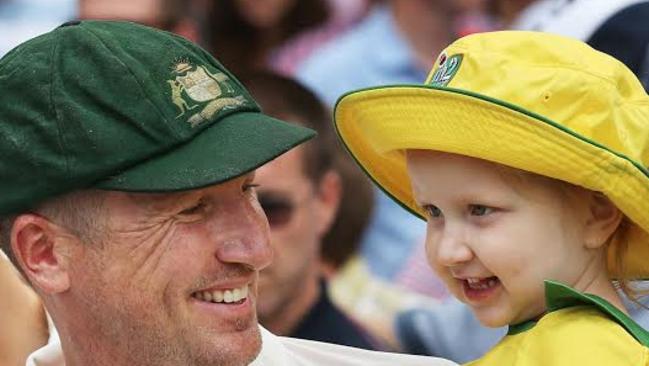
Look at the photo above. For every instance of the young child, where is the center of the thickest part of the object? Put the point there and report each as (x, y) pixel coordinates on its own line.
(526, 154)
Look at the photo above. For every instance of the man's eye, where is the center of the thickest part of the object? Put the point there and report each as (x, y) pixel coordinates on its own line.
(480, 210)
(250, 187)
(433, 211)
(193, 210)
(249, 190)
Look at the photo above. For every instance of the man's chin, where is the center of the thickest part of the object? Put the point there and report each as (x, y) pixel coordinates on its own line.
(249, 345)
(256, 347)
(233, 349)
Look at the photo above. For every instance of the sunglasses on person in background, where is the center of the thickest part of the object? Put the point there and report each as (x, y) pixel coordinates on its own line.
(279, 210)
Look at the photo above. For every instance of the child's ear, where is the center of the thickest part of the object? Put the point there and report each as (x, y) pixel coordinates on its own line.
(603, 220)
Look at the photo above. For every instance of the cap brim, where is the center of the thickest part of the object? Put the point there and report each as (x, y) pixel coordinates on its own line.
(234, 146)
(376, 125)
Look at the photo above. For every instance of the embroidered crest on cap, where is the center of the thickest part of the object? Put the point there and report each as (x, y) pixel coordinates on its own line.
(194, 86)
(447, 67)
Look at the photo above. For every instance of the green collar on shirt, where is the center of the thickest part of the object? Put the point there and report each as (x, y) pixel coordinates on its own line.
(559, 296)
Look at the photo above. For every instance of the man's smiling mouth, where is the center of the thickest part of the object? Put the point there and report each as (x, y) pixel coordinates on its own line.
(236, 295)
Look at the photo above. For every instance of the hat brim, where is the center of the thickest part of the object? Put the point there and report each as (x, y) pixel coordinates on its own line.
(378, 124)
(235, 145)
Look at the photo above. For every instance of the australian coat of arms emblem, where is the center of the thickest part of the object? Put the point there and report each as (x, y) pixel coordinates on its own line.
(194, 86)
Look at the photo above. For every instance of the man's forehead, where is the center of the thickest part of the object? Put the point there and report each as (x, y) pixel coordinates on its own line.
(148, 199)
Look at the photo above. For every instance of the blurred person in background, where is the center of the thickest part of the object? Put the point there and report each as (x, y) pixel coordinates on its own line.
(393, 44)
(618, 28)
(24, 19)
(474, 16)
(24, 327)
(300, 193)
(507, 11)
(175, 16)
(277, 34)
(342, 242)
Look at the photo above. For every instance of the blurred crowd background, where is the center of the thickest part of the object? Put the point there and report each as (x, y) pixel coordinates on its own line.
(350, 265)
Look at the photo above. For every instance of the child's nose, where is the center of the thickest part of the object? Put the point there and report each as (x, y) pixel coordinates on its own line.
(452, 248)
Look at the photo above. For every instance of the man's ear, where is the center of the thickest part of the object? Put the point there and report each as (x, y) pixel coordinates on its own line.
(43, 250)
(604, 219)
(329, 192)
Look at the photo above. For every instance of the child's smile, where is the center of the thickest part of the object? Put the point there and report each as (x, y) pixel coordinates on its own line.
(479, 289)
(494, 234)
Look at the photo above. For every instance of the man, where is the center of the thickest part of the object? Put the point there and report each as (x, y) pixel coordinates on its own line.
(135, 220)
(125, 275)
(300, 193)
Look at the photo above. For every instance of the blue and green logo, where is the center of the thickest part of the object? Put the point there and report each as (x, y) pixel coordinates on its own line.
(446, 69)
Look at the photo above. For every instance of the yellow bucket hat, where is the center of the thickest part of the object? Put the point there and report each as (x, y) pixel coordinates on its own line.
(533, 101)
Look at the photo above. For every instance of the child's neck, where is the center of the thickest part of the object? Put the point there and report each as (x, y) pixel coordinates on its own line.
(600, 284)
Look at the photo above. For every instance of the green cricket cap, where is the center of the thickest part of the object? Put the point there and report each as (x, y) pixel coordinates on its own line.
(121, 106)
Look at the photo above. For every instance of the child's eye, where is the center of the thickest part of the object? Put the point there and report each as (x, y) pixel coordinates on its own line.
(432, 211)
(480, 210)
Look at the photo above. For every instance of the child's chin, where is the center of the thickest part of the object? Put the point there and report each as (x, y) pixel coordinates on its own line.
(493, 318)
(490, 323)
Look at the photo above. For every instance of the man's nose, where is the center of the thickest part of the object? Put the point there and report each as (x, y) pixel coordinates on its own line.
(243, 237)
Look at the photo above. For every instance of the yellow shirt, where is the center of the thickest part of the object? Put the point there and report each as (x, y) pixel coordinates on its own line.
(579, 329)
